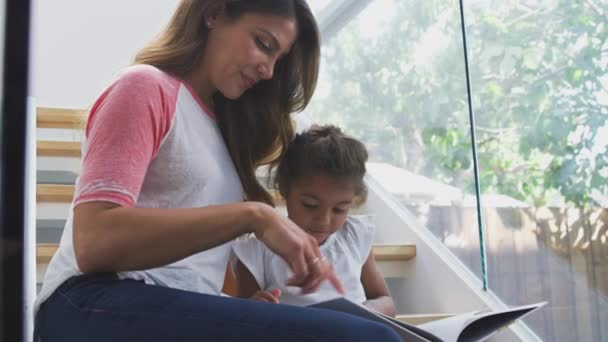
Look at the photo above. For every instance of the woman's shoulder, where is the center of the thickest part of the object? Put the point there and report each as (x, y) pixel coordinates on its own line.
(144, 75)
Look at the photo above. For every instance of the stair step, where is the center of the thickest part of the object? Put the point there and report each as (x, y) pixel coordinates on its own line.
(48, 148)
(44, 252)
(54, 193)
(56, 177)
(60, 118)
(49, 236)
(385, 252)
(58, 163)
(49, 224)
(63, 190)
(49, 231)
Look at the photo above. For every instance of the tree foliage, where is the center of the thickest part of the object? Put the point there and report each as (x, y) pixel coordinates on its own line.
(395, 77)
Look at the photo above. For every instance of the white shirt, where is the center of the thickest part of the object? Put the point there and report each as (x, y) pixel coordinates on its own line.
(346, 250)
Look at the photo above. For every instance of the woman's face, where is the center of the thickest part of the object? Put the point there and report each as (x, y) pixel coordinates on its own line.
(242, 52)
(319, 204)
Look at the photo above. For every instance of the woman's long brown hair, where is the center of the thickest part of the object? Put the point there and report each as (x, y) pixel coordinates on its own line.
(256, 127)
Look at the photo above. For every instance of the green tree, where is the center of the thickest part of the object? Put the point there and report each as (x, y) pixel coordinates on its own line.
(536, 71)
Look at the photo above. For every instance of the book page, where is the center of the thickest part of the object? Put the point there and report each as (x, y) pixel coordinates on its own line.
(412, 328)
(448, 329)
(483, 328)
(477, 326)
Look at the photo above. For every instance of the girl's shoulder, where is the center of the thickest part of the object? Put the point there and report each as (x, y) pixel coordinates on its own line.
(356, 235)
(359, 225)
(356, 231)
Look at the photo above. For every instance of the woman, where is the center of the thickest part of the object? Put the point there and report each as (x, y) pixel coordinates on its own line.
(171, 149)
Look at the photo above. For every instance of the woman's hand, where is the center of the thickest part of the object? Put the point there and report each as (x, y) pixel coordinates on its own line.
(271, 296)
(296, 247)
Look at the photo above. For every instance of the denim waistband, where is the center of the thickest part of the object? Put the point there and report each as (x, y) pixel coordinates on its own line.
(84, 279)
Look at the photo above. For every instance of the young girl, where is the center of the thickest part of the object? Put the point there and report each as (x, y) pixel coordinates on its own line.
(320, 178)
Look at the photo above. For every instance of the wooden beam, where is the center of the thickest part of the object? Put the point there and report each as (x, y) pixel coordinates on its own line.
(58, 148)
(60, 118)
(54, 193)
(394, 252)
(44, 252)
(65, 193)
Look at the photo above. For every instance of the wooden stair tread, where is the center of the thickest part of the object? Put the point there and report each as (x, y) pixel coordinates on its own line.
(54, 193)
(45, 251)
(47, 148)
(65, 193)
(60, 118)
(386, 252)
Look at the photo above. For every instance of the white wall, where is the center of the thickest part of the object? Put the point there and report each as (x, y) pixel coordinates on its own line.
(79, 45)
(436, 281)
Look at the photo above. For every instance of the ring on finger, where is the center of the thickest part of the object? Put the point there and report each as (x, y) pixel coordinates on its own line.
(316, 260)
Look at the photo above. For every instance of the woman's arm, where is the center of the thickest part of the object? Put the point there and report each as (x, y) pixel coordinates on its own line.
(376, 290)
(109, 237)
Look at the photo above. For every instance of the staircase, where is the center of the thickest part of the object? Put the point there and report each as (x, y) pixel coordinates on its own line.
(59, 132)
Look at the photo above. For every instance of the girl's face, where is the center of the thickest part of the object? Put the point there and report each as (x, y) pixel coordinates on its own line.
(319, 204)
(239, 53)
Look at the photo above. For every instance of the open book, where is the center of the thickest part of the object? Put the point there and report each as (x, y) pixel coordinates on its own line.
(472, 326)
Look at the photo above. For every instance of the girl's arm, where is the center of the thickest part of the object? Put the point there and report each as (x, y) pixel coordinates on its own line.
(376, 290)
(248, 287)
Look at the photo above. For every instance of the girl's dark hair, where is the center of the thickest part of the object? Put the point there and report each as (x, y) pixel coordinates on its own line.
(326, 150)
(257, 126)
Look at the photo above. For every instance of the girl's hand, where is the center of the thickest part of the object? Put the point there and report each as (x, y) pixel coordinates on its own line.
(271, 296)
(299, 250)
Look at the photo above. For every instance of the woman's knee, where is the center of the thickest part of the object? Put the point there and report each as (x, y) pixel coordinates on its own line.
(380, 332)
(364, 330)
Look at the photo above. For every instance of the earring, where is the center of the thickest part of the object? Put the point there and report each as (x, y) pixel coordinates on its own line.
(209, 24)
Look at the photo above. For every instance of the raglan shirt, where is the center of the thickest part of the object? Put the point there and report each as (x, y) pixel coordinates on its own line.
(150, 143)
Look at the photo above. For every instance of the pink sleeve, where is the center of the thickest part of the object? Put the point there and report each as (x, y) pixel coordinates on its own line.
(124, 131)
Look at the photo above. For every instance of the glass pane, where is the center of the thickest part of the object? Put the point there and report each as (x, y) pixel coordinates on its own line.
(317, 6)
(540, 94)
(394, 77)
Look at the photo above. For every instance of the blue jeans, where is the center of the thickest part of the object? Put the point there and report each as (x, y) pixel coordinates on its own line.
(103, 308)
